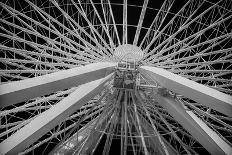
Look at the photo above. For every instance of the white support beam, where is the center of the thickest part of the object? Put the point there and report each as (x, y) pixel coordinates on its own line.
(193, 90)
(124, 33)
(163, 147)
(195, 126)
(113, 20)
(141, 18)
(20, 91)
(139, 126)
(50, 118)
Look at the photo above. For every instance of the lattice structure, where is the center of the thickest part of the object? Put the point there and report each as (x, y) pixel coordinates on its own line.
(115, 77)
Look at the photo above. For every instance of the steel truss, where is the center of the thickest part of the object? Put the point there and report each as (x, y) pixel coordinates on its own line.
(58, 71)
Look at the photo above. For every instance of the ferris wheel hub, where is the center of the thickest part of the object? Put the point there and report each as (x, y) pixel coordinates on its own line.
(128, 52)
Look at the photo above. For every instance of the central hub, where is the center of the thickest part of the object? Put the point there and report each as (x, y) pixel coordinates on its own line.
(127, 56)
(128, 53)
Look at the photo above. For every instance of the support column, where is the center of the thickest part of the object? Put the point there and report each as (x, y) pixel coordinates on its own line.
(50, 118)
(193, 90)
(19, 91)
(195, 126)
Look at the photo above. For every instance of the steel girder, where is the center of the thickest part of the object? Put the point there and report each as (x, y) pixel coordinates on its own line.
(50, 118)
(195, 126)
(19, 91)
(200, 93)
(195, 91)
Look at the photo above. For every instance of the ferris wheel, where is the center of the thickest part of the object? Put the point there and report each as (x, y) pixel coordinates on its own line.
(115, 77)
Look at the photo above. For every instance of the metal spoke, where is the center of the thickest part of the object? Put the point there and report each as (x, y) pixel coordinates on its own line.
(115, 77)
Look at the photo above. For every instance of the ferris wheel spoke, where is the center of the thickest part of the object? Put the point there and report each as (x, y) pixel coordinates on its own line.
(8, 62)
(139, 126)
(38, 46)
(92, 28)
(85, 115)
(207, 114)
(140, 22)
(12, 11)
(34, 32)
(72, 126)
(157, 23)
(185, 9)
(136, 139)
(74, 33)
(225, 101)
(217, 39)
(173, 133)
(203, 63)
(152, 141)
(42, 82)
(187, 47)
(196, 56)
(107, 3)
(202, 71)
(153, 126)
(226, 3)
(30, 55)
(20, 52)
(93, 87)
(195, 78)
(36, 101)
(190, 117)
(71, 21)
(184, 26)
(6, 75)
(124, 33)
(95, 136)
(110, 133)
(103, 25)
(61, 76)
(166, 6)
(76, 139)
(15, 62)
(201, 32)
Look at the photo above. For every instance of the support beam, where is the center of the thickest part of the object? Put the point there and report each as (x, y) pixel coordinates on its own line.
(50, 118)
(113, 20)
(163, 147)
(193, 90)
(19, 91)
(140, 128)
(76, 139)
(141, 18)
(94, 136)
(195, 126)
(124, 37)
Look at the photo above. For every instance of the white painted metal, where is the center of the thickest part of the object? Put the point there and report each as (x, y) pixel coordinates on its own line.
(49, 119)
(193, 90)
(124, 35)
(128, 52)
(39, 37)
(163, 146)
(140, 128)
(142, 14)
(195, 126)
(113, 20)
(19, 91)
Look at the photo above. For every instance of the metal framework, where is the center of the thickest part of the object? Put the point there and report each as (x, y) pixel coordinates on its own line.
(110, 77)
